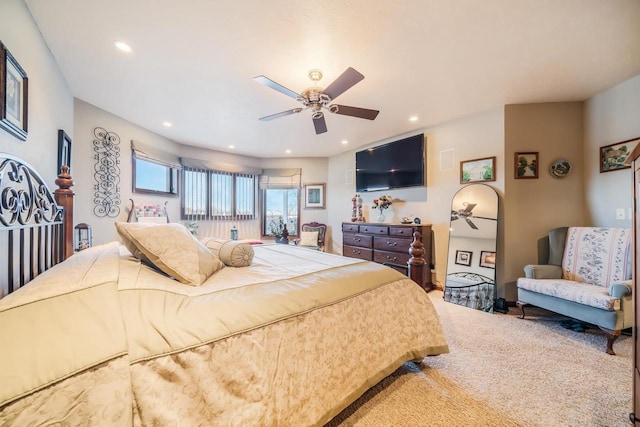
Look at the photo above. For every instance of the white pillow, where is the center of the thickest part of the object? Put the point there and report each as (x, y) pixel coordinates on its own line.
(232, 253)
(172, 249)
(309, 238)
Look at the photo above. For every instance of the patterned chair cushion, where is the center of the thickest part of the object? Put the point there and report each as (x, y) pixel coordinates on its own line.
(580, 292)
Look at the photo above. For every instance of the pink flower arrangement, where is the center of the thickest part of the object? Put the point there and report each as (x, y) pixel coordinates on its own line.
(383, 202)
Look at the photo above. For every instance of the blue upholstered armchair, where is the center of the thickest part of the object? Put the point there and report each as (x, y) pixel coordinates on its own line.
(587, 276)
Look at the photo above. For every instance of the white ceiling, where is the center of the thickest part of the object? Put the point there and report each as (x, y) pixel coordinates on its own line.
(193, 62)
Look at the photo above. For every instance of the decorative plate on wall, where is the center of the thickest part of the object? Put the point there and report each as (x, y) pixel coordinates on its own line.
(560, 168)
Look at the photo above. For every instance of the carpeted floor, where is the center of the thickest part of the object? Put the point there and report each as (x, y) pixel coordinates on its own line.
(504, 371)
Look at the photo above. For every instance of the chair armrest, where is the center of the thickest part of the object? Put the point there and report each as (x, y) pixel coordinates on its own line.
(541, 271)
(618, 290)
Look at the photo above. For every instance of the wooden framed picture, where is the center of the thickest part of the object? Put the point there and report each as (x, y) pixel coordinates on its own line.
(463, 258)
(614, 157)
(314, 196)
(526, 165)
(64, 150)
(487, 259)
(13, 95)
(478, 170)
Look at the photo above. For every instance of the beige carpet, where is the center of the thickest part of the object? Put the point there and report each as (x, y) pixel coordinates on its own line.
(504, 371)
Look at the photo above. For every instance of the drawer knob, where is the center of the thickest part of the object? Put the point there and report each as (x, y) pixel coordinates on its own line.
(357, 240)
(356, 252)
(392, 243)
(392, 259)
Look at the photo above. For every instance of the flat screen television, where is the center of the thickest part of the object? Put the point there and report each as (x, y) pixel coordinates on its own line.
(398, 164)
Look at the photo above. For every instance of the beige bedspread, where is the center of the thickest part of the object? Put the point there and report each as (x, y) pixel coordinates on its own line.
(288, 341)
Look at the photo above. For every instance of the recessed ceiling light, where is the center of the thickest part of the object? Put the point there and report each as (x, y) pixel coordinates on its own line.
(413, 118)
(232, 146)
(288, 151)
(167, 124)
(122, 46)
(345, 142)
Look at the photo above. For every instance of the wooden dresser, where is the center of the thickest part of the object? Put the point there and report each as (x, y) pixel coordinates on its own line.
(386, 244)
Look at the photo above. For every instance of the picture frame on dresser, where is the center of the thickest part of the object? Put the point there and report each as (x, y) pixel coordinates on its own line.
(14, 91)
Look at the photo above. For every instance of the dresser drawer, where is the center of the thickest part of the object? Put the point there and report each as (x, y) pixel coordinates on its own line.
(357, 240)
(355, 252)
(393, 244)
(398, 258)
(401, 231)
(349, 228)
(374, 229)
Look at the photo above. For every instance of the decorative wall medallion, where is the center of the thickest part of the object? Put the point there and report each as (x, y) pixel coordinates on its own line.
(560, 168)
(106, 173)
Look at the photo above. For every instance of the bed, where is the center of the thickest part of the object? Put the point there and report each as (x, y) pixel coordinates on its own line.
(103, 338)
(470, 290)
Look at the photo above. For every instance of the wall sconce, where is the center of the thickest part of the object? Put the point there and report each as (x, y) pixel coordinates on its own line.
(83, 237)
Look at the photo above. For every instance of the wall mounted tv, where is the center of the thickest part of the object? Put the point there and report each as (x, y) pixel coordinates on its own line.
(397, 164)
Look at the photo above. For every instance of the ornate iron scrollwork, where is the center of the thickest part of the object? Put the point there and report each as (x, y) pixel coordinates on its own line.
(24, 197)
(106, 173)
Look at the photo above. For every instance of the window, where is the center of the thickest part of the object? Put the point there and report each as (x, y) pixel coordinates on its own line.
(281, 204)
(212, 194)
(280, 199)
(150, 177)
(154, 171)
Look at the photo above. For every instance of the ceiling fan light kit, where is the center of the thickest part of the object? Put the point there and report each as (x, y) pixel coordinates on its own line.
(317, 98)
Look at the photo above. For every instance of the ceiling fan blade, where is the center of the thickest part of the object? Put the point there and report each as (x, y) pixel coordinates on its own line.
(362, 113)
(340, 85)
(282, 114)
(470, 207)
(471, 224)
(320, 124)
(276, 86)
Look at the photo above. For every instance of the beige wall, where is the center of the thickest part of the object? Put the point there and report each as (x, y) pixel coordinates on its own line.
(533, 206)
(50, 101)
(88, 117)
(611, 116)
(481, 135)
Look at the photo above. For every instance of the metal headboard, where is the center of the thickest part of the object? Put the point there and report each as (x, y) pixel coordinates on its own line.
(32, 233)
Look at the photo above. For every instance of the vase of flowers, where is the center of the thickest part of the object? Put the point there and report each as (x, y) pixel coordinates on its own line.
(381, 203)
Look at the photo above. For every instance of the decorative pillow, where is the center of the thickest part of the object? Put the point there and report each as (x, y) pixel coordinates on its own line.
(123, 231)
(172, 249)
(309, 238)
(232, 253)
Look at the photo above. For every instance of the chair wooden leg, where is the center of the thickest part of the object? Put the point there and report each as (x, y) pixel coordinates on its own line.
(521, 306)
(611, 337)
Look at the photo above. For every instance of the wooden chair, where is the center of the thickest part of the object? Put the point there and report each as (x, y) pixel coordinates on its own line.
(312, 227)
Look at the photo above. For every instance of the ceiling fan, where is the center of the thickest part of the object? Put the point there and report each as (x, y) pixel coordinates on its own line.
(318, 99)
(466, 214)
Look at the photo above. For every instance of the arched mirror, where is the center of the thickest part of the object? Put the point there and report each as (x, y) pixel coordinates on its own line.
(471, 262)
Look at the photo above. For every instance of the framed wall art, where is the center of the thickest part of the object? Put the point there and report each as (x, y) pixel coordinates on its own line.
(478, 170)
(14, 92)
(526, 165)
(616, 156)
(314, 196)
(487, 259)
(463, 258)
(64, 150)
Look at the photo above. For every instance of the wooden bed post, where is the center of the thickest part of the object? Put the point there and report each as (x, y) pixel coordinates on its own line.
(64, 198)
(418, 267)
